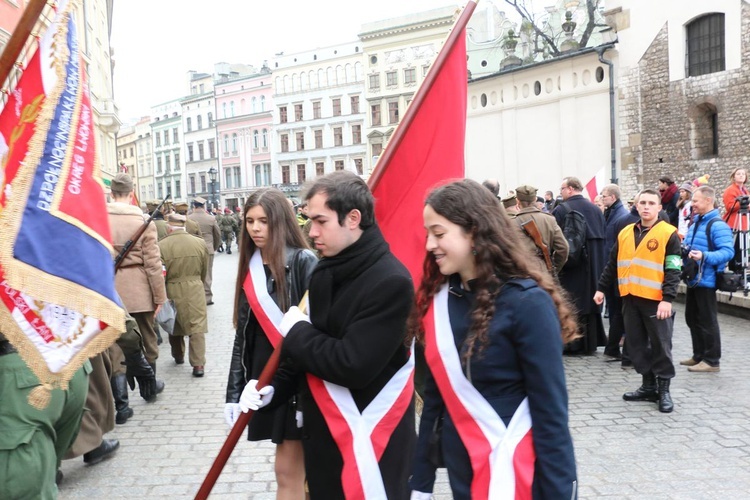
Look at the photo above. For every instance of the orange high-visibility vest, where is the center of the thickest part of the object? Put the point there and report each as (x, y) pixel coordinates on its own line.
(640, 271)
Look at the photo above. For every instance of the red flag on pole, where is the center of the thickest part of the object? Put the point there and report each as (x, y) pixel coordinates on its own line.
(427, 148)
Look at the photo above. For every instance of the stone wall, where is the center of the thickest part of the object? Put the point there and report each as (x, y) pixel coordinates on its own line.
(661, 121)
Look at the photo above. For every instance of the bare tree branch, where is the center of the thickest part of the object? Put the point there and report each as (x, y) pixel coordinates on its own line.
(591, 6)
(525, 14)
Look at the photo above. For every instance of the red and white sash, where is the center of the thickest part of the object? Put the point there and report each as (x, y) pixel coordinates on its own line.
(363, 437)
(502, 459)
(266, 311)
(360, 437)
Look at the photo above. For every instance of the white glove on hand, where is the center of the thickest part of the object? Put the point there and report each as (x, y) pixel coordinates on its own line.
(253, 399)
(231, 413)
(293, 316)
(420, 495)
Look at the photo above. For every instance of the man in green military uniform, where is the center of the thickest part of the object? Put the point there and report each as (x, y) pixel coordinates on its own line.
(186, 260)
(191, 227)
(159, 222)
(32, 441)
(551, 237)
(227, 226)
(237, 224)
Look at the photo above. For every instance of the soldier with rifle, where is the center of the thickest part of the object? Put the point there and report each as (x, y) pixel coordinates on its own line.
(543, 237)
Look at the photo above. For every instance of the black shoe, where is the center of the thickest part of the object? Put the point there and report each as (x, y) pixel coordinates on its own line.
(229, 252)
(613, 355)
(122, 416)
(646, 392)
(179, 361)
(104, 450)
(58, 477)
(197, 371)
(210, 303)
(665, 399)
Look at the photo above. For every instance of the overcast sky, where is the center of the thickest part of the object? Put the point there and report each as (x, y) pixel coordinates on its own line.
(156, 42)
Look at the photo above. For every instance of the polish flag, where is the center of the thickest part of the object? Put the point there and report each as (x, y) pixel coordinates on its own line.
(595, 185)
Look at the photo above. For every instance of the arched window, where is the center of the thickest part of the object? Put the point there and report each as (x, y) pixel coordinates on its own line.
(226, 143)
(321, 78)
(231, 108)
(704, 131)
(262, 103)
(200, 122)
(234, 143)
(224, 109)
(265, 138)
(705, 45)
(254, 102)
(210, 119)
(255, 139)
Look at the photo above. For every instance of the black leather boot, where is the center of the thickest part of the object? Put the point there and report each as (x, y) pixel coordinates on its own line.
(665, 399)
(159, 383)
(646, 392)
(120, 392)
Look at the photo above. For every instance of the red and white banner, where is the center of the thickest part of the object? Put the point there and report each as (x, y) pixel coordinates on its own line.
(502, 458)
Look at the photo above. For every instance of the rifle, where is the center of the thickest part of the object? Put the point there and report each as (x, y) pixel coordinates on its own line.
(531, 229)
(129, 244)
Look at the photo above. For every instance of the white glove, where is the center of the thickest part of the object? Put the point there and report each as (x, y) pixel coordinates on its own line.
(231, 413)
(293, 316)
(420, 495)
(254, 399)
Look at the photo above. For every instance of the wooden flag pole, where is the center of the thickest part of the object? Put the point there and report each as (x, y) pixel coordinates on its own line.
(19, 37)
(419, 97)
(266, 377)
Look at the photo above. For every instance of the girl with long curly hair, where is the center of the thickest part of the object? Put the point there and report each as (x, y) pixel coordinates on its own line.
(274, 273)
(493, 327)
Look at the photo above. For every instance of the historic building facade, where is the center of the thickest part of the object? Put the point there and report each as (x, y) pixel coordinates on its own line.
(684, 75)
(319, 114)
(166, 141)
(397, 55)
(244, 107)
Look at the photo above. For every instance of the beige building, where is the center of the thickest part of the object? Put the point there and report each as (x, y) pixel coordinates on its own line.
(319, 114)
(397, 54)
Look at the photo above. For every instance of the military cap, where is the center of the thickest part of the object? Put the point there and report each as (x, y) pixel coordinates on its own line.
(181, 208)
(199, 200)
(122, 183)
(509, 201)
(176, 220)
(526, 193)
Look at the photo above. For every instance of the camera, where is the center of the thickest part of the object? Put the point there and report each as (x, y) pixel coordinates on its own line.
(684, 251)
(744, 202)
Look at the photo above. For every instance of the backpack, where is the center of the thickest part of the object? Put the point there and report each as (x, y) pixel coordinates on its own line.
(725, 281)
(575, 231)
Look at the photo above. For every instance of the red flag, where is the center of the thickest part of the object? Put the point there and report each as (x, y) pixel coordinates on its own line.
(427, 148)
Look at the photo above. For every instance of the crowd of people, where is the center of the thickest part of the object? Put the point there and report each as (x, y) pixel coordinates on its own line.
(510, 284)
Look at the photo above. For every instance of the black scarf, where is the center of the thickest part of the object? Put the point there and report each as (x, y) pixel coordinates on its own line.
(331, 272)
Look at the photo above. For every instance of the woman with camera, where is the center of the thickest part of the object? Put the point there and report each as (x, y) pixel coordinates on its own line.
(736, 204)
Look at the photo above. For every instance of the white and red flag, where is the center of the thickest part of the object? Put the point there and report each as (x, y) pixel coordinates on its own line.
(595, 185)
(58, 304)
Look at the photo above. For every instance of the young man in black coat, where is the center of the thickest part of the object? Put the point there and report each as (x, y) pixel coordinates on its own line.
(350, 351)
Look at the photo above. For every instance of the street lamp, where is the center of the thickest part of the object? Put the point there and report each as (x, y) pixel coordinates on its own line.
(212, 178)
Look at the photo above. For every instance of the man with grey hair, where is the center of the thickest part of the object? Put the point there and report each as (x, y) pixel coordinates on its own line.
(709, 243)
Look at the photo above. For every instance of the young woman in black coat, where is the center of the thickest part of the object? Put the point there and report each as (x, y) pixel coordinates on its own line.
(493, 329)
(274, 273)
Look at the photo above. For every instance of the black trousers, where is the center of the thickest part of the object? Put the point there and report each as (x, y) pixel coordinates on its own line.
(649, 339)
(701, 316)
(616, 323)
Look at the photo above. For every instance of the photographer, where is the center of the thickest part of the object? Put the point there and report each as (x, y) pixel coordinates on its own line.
(736, 199)
(700, 300)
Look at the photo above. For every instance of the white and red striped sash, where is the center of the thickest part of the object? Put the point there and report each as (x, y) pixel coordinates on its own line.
(502, 459)
(363, 437)
(266, 311)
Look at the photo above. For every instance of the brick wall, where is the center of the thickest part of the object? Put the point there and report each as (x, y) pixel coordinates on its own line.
(658, 119)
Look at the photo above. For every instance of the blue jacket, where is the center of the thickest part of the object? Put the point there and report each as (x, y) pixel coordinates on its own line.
(523, 358)
(612, 216)
(723, 243)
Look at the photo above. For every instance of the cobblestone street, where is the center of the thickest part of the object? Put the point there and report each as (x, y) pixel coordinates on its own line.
(624, 450)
